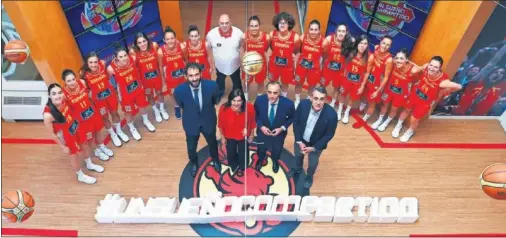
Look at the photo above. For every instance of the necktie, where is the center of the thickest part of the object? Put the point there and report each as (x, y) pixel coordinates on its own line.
(196, 97)
(271, 114)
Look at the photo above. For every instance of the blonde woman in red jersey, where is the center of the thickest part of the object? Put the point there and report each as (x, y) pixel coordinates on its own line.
(60, 121)
(172, 57)
(103, 95)
(258, 41)
(313, 46)
(285, 47)
(131, 91)
(145, 52)
(200, 52)
(333, 64)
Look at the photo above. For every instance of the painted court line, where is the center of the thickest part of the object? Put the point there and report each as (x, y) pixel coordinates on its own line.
(39, 232)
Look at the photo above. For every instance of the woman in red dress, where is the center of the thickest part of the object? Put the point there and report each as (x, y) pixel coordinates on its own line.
(235, 127)
(63, 126)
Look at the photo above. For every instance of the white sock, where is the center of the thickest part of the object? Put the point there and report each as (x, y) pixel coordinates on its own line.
(362, 106)
(284, 94)
(399, 123)
(333, 102)
(380, 118)
(409, 132)
(80, 172)
(144, 117)
(110, 130)
(88, 161)
(101, 146)
(155, 109)
(388, 120)
(348, 108)
(162, 106)
(118, 126)
(340, 106)
(131, 125)
(366, 116)
(297, 97)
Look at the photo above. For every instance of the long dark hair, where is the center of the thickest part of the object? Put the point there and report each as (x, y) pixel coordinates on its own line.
(350, 52)
(141, 35)
(85, 67)
(234, 93)
(57, 115)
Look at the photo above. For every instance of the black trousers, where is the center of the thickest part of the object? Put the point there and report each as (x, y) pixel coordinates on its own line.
(313, 159)
(275, 146)
(236, 80)
(236, 154)
(193, 140)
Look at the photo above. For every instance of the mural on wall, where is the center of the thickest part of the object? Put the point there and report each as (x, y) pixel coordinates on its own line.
(12, 71)
(482, 74)
(99, 25)
(402, 20)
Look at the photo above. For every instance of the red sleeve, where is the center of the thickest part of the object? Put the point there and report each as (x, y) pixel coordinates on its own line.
(251, 117)
(221, 117)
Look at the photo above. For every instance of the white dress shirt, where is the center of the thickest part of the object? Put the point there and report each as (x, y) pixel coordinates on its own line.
(311, 122)
(199, 88)
(225, 50)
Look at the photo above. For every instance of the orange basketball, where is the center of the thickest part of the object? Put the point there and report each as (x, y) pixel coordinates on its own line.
(493, 181)
(16, 51)
(17, 206)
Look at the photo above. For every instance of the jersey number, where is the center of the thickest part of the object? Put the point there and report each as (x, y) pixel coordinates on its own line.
(129, 78)
(69, 119)
(309, 56)
(175, 65)
(396, 82)
(425, 88)
(281, 52)
(101, 86)
(149, 66)
(83, 104)
(354, 69)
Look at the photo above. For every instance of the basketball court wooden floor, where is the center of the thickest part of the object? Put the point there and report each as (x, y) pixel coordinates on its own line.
(444, 180)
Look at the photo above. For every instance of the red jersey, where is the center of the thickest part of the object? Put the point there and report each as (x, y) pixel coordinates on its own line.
(378, 68)
(311, 52)
(173, 60)
(479, 99)
(400, 80)
(98, 82)
(232, 124)
(282, 49)
(259, 44)
(67, 128)
(80, 102)
(128, 80)
(198, 54)
(147, 64)
(427, 89)
(355, 70)
(334, 60)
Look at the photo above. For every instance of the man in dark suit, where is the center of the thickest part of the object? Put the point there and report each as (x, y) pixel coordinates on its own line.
(198, 98)
(274, 115)
(314, 126)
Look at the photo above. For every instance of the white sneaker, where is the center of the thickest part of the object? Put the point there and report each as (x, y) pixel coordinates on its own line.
(339, 115)
(158, 116)
(115, 139)
(396, 131)
(148, 125)
(106, 150)
(383, 126)
(407, 135)
(362, 106)
(377, 123)
(165, 115)
(123, 136)
(135, 134)
(101, 155)
(346, 117)
(94, 167)
(83, 178)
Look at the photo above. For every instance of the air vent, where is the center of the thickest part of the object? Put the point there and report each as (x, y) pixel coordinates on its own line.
(9, 100)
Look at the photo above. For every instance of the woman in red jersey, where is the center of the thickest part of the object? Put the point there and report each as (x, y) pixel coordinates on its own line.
(379, 68)
(423, 95)
(397, 90)
(63, 127)
(200, 52)
(356, 66)
(258, 41)
(285, 46)
(145, 53)
(90, 135)
(235, 127)
(103, 95)
(333, 63)
(172, 58)
(130, 89)
(312, 49)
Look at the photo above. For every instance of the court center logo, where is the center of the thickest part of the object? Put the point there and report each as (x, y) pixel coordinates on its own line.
(252, 182)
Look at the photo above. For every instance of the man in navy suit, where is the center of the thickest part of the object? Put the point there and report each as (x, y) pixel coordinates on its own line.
(197, 98)
(314, 126)
(274, 115)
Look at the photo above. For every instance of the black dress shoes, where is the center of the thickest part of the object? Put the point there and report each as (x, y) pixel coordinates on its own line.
(308, 182)
(194, 170)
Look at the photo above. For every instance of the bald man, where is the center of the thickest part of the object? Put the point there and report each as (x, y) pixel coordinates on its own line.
(225, 40)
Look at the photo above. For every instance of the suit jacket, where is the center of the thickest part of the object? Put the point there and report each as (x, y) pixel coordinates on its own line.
(285, 112)
(324, 129)
(194, 120)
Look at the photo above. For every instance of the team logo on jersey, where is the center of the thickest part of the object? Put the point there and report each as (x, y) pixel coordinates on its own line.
(96, 11)
(252, 182)
(395, 13)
